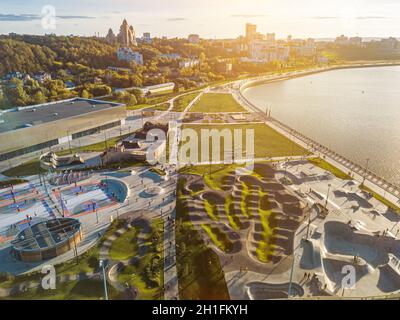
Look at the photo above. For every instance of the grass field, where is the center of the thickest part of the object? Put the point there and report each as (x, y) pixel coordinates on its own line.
(381, 199)
(219, 238)
(217, 102)
(181, 103)
(146, 274)
(72, 290)
(162, 107)
(265, 247)
(11, 182)
(138, 107)
(125, 246)
(28, 168)
(213, 174)
(328, 167)
(267, 141)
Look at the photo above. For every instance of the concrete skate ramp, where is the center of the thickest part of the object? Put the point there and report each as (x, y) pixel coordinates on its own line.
(264, 170)
(342, 240)
(333, 270)
(196, 187)
(389, 279)
(268, 291)
(213, 197)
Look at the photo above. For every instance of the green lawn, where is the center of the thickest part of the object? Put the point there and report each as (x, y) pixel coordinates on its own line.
(213, 175)
(200, 275)
(95, 147)
(265, 246)
(219, 238)
(158, 171)
(72, 290)
(28, 168)
(217, 102)
(211, 210)
(11, 182)
(125, 246)
(147, 274)
(138, 107)
(181, 103)
(162, 107)
(381, 199)
(328, 167)
(267, 141)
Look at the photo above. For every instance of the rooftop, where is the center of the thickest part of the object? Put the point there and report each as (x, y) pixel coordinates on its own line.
(46, 234)
(39, 114)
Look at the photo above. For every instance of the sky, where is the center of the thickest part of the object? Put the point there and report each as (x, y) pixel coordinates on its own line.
(209, 18)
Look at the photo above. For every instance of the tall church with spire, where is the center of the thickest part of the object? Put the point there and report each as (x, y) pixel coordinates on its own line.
(126, 36)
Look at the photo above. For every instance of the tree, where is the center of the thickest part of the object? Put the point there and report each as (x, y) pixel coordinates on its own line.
(129, 100)
(39, 98)
(85, 94)
(16, 94)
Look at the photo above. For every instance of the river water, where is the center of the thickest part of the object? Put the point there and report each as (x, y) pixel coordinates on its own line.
(355, 112)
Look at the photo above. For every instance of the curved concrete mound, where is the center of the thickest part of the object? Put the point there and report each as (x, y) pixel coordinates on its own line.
(269, 291)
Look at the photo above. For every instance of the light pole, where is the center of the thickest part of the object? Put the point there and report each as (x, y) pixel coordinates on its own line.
(103, 266)
(365, 173)
(327, 196)
(291, 274)
(69, 142)
(284, 178)
(309, 223)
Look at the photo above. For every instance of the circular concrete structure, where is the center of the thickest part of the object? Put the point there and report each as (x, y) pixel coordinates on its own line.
(47, 239)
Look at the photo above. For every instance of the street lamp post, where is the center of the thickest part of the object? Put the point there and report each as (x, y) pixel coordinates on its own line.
(309, 223)
(327, 196)
(291, 275)
(365, 173)
(284, 178)
(103, 266)
(69, 142)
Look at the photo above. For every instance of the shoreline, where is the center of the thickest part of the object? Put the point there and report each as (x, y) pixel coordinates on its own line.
(259, 81)
(377, 183)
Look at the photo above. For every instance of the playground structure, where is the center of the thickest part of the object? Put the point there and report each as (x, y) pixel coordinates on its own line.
(68, 177)
(47, 239)
(50, 160)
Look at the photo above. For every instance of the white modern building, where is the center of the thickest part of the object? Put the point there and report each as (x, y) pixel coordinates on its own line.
(147, 38)
(189, 63)
(265, 51)
(194, 38)
(126, 54)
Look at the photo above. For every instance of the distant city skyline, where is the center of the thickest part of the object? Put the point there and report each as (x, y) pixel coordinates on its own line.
(209, 19)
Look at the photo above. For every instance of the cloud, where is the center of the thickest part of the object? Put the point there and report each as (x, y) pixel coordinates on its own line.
(325, 18)
(247, 15)
(177, 19)
(77, 17)
(371, 17)
(33, 17)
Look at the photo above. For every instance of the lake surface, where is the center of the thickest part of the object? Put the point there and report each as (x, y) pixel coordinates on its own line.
(355, 112)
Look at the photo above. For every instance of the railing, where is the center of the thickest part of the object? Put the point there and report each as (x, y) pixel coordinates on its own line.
(347, 163)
